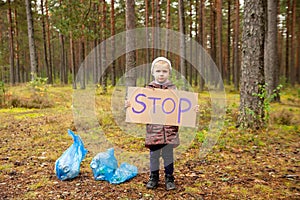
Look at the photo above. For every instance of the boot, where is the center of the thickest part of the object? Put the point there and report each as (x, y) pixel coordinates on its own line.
(169, 181)
(153, 181)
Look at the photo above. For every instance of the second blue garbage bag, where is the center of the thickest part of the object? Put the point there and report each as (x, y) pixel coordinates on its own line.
(105, 167)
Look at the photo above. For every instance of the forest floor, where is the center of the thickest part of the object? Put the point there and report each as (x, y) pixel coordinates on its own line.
(242, 165)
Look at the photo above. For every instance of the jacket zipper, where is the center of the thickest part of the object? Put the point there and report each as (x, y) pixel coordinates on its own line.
(165, 140)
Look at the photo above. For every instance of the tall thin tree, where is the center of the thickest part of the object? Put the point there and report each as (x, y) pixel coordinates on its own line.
(228, 63)
(49, 73)
(213, 37)
(17, 52)
(147, 71)
(219, 36)
(271, 63)
(82, 56)
(130, 44)
(202, 39)
(11, 44)
(236, 55)
(191, 24)
(182, 40)
(112, 30)
(287, 41)
(103, 51)
(293, 44)
(32, 49)
(168, 26)
(44, 39)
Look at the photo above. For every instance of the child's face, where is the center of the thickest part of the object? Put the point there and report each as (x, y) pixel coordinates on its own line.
(161, 72)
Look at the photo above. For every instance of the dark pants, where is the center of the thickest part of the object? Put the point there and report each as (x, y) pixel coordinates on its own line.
(166, 151)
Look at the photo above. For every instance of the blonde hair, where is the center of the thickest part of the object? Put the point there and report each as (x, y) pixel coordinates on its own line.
(161, 59)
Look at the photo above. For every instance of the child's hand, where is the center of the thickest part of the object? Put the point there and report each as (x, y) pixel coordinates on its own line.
(196, 108)
(127, 104)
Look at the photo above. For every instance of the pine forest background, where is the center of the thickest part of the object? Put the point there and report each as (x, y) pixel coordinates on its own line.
(66, 31)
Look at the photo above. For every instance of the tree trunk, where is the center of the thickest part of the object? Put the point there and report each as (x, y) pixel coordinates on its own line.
(103, 52)
(44, 39)
(219, 49)
(293, 45)
(73, 65)
(82, 57)
(190, 67)
(228, 64)
(130, 44)
(17, 53)
(252, 77)
(182, 41)
(271, 50)
(197, 28)
(11, 45)
(50, 78)
(202, 40)
(236, 62)
(168, 26)
(298, 50)
(62, 58)
(212, 37)
(156, 29)
(153, 23)
(112, 28)
(32, 50)
(287, 42)
(147, 71)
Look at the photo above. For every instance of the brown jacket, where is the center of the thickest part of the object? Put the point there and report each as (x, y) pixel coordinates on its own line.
(161, 134)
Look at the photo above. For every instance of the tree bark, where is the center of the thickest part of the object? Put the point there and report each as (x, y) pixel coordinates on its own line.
(17, 53)
(298, 50)
(287, 42)
(190, 67)
(212, 38)
(82, 57)
(147, 71)
(182, 41)
(293, 45)
(153, 23)
(228, 63)
(236, 62)
(103, 52)
(112, 28)
(73, 65)
(271, 63)
(50, 76)
(202, 40)
(168, 26)
(32, 50)
(62, 58)
(11, 45)
(252, 77)
(219, 37)
(45, 40)
(130, 44)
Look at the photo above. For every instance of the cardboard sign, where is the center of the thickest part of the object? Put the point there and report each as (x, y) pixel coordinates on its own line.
(158, 106)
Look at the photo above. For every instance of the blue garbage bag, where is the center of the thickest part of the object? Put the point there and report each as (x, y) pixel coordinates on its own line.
(104, 165)
(124, 173)
(67, 166)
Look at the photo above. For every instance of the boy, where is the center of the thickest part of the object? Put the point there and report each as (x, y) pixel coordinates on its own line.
(161, 139)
